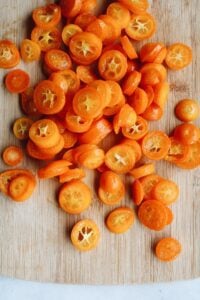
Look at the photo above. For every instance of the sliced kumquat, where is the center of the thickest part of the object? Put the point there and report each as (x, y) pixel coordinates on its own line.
(85, 48)
(120, 220)
(142, 171)
(48, 16)
(137, 131)
(87, 103)
(12, 156)
(187, 110)
(21, 128)
(119, 13)
(75, 197)
(48, 97)
(137, 192)
(17, 81)
(47, 39)
(155, 145)
(21, 187)
(165, 191)
(168, 249)
(112, 65)
(153, 214)
(44, 133)
(85, 235)
(57, 60)
(9, 54)
(131, 82)
(178, 56)
(139, 101)
(120, 159)
(141, 27)
(30, 51)
(7, 176)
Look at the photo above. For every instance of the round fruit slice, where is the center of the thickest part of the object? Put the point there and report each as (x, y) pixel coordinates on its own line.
(120, 220)
(75, 197)
(85, 235)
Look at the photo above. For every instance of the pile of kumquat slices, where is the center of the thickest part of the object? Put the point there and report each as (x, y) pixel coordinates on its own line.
(98, 84)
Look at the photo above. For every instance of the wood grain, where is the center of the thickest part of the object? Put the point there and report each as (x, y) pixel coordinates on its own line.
(34, 236)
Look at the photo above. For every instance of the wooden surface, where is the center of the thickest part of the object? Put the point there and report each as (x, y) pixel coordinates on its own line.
(34, 236)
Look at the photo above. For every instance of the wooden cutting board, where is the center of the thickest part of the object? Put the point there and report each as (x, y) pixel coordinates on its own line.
(34, 236)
